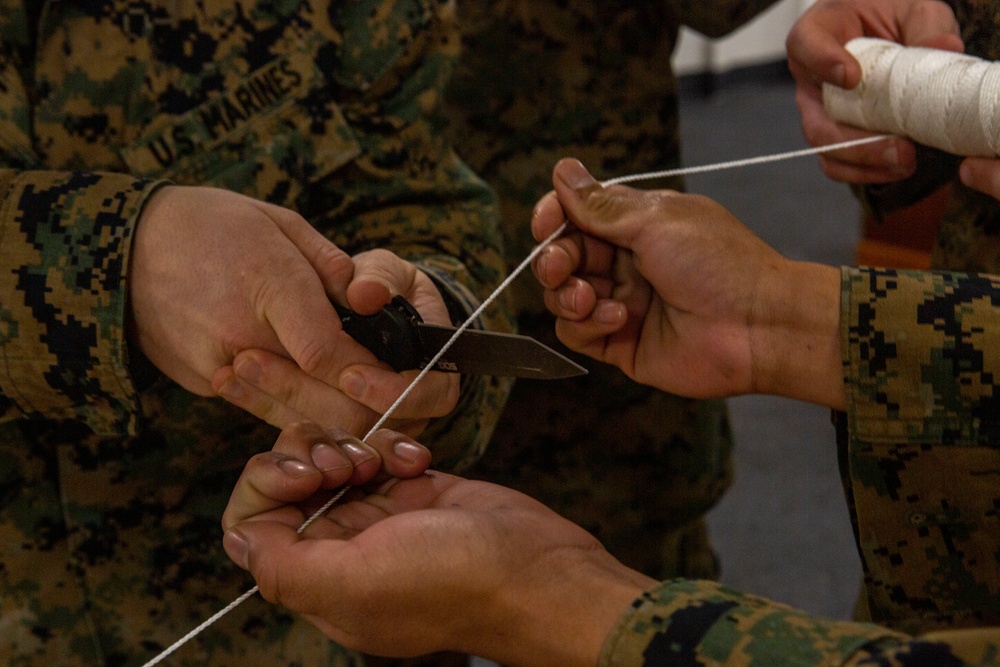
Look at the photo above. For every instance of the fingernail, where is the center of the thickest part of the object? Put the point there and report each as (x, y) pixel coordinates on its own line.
(891, 156)
(357, 452)
(575, 175)
(542, 260)
(329, 458)
(837, 75)
(408, 451)
(232, 390)
(609, 312)
(353, 384)
(237, 547)
(567, 299)
(296, 469)
(249, 370)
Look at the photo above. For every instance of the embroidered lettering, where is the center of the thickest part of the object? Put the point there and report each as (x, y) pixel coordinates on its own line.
(259, 93)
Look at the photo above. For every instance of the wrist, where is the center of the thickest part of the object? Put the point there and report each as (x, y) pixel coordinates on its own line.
(795, 335)
(565, 613)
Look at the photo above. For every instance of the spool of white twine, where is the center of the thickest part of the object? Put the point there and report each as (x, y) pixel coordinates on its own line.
(942, 99)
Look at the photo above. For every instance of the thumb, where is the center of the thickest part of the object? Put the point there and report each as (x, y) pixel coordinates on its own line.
(602, 212)
(259, 546)
(289, 570)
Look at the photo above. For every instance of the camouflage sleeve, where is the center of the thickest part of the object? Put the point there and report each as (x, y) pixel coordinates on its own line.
(64, 242)
(719, 17)
(921, 362)
(64, 246)
(701, 623)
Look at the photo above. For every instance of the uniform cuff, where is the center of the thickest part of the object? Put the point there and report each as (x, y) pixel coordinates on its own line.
(67, 240)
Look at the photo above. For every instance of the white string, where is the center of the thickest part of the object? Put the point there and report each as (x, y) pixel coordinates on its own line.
(388, 413)
(219, 614)
(746, 162)
(939, 98)
(489, 300)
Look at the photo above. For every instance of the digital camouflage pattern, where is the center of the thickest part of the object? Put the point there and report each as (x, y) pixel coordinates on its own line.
(947, 568)
(921, 468)
(111, 489)
(539, 80)
(924, 445)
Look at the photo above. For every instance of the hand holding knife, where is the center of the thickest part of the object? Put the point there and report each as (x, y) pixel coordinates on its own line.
(398, 336)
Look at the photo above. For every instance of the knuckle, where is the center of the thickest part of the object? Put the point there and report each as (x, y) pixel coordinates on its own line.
(314, 356)
(334, 261)
(302, 429)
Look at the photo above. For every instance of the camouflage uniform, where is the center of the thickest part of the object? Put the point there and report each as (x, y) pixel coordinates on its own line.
(539, 80)
(112, 485)
(968, 239)
(921, 463)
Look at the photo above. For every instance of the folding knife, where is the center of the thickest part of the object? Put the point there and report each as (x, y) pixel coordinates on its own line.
(398, 336)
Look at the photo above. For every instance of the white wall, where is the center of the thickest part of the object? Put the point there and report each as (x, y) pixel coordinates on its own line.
(760, 41)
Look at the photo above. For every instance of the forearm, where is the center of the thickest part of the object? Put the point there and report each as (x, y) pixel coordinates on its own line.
(795, 339)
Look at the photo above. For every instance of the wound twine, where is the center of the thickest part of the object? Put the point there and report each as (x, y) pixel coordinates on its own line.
(938, 98)
(475, 316)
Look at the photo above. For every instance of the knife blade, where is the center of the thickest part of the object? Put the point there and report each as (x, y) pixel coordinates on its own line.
(398, 336)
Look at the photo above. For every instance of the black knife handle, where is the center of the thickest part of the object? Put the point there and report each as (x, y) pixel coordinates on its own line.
(391, 334)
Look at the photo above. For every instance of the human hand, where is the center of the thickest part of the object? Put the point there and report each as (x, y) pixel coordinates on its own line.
(436, 563)
(816, 54)
(278, 390)
(214, 273)
(680, 295)
(308, 464)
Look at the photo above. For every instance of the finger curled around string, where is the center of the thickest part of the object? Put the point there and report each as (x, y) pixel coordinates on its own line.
(607, 317)
(575, 254)
(307, 458)
(555, 264)
(574, 299)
